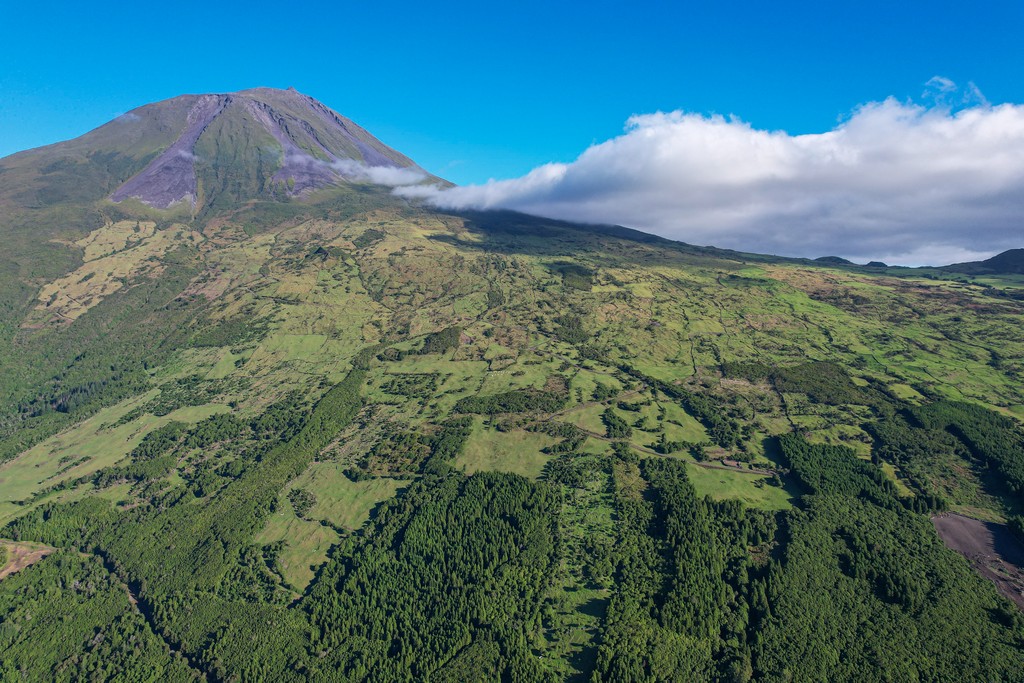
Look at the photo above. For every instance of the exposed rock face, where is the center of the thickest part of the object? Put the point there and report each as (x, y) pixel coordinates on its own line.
(171, 177)
(300, 145)
(302, 169)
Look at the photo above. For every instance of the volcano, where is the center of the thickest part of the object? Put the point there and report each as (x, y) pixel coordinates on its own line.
(196, 151)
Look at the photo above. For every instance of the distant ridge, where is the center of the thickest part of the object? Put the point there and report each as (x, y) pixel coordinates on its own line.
(1010, 262)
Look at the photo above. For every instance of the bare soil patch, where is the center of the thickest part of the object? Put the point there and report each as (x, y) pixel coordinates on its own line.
(992, 550)
(21, 555)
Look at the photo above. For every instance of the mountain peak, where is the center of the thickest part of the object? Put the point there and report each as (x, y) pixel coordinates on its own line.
(204, 149)
(277, 140)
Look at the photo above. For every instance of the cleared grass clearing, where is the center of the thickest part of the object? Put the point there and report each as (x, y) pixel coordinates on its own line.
(188, 363)
(305, 544)
(519, 376)
(646, 416)
(587, 417)
(470, 306)
(514, 451)
(229, 362)
(657, 368)
(117, 493)
(847, 435)
(892, 472)
(906, 392)
(721, 484)
(585, 381)
(193, 414)
(680, 425)
(287, 347)
(497, 351)
(596, 447)
(339, 500)
(641, 290)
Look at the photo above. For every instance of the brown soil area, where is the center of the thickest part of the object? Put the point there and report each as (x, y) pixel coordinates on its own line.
(21, 555)
(992, 550)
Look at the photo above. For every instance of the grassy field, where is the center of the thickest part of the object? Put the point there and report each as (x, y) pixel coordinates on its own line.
(340, 502)
(893, 473)
(515, 451)
(111, 258)
(578, 600)
(343, 502)
(587, 417)
(86, 448)
(305, 545)
(722, 484)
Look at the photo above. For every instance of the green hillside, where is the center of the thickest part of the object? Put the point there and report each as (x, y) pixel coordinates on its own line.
(1010, 262)
(331, 435)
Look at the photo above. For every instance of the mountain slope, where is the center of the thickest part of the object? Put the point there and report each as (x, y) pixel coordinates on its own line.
(1010, 262)
(184, 150)
(330, 435)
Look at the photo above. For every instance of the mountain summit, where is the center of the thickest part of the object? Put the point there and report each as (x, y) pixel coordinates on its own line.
(196, 150)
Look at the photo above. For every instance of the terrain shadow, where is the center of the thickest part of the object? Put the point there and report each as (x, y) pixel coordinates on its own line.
(509, 232)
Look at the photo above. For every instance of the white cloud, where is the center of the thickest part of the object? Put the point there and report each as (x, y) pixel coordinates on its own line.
(393, 176)
(941, 92)
(940, 83)
(895, 181)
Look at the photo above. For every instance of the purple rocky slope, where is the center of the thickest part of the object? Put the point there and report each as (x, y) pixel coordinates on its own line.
(314, 146)
(171, 177)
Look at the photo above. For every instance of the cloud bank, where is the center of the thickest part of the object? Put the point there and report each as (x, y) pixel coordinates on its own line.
(896, 182)
(393, 176)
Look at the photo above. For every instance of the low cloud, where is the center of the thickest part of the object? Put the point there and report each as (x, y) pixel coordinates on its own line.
(895, 181)
(392, 176)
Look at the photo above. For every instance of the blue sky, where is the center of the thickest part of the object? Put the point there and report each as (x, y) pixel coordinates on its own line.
(871, 130)
(475, 90)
